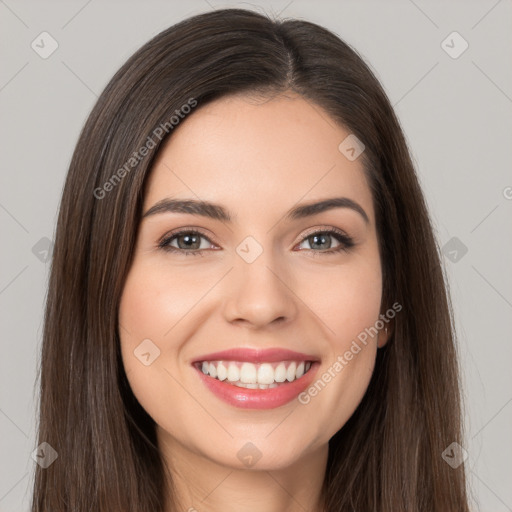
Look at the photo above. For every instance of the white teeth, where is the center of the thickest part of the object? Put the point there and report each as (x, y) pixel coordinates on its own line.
(280, 373)
(248, 373)
(222, 372)
(255, 376)
(254, 386)
(265, 374)
(300, 370)
(233, 372)
(290, 373)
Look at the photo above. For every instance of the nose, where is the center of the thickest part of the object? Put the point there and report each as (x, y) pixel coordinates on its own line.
(259, 293)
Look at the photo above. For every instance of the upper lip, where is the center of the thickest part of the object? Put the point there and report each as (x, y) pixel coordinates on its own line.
(250, 355)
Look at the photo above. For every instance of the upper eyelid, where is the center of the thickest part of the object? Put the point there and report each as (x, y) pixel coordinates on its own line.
(172, 234)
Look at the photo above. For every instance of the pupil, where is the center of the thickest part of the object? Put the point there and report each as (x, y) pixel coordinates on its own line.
(189, 240)
(322, 238)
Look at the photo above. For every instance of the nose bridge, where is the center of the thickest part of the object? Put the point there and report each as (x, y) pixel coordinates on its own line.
(258, 293)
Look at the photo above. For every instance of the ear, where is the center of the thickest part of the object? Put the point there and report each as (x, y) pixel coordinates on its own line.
(384, 335)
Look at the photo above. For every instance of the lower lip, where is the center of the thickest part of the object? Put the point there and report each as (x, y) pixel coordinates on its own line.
(269, 398)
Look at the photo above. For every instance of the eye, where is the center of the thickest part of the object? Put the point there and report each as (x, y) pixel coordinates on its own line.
(323, 240)
(187, 242)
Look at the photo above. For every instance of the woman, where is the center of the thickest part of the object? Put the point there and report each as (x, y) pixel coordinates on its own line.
(306, 359)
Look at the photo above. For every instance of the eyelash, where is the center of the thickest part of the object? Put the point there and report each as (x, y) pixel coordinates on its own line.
(345, 241)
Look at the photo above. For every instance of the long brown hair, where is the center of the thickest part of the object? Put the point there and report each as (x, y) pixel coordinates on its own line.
(388, 456)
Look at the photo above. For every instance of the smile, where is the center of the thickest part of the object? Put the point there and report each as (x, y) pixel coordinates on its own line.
(261, 379)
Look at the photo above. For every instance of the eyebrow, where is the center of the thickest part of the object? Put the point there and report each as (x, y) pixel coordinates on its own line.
(218, 212)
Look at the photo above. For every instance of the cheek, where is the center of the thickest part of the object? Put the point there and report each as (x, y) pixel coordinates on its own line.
(153, 302)
(347, 300)
(350, 311)
(148, 310)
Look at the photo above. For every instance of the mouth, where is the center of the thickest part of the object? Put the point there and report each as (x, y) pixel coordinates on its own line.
(256, 379)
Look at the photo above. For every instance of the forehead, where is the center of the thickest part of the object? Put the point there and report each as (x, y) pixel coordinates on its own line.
(257, 156)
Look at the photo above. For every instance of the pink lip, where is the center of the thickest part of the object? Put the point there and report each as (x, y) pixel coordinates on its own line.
(259, 398)
(269, 398)
(269, 355)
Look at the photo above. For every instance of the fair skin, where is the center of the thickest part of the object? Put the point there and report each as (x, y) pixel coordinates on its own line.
(258, 159)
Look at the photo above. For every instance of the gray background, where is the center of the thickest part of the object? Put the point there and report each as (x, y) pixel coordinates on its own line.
(456, 113)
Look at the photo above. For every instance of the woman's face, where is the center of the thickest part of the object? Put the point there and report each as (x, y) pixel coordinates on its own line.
(272, 290)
